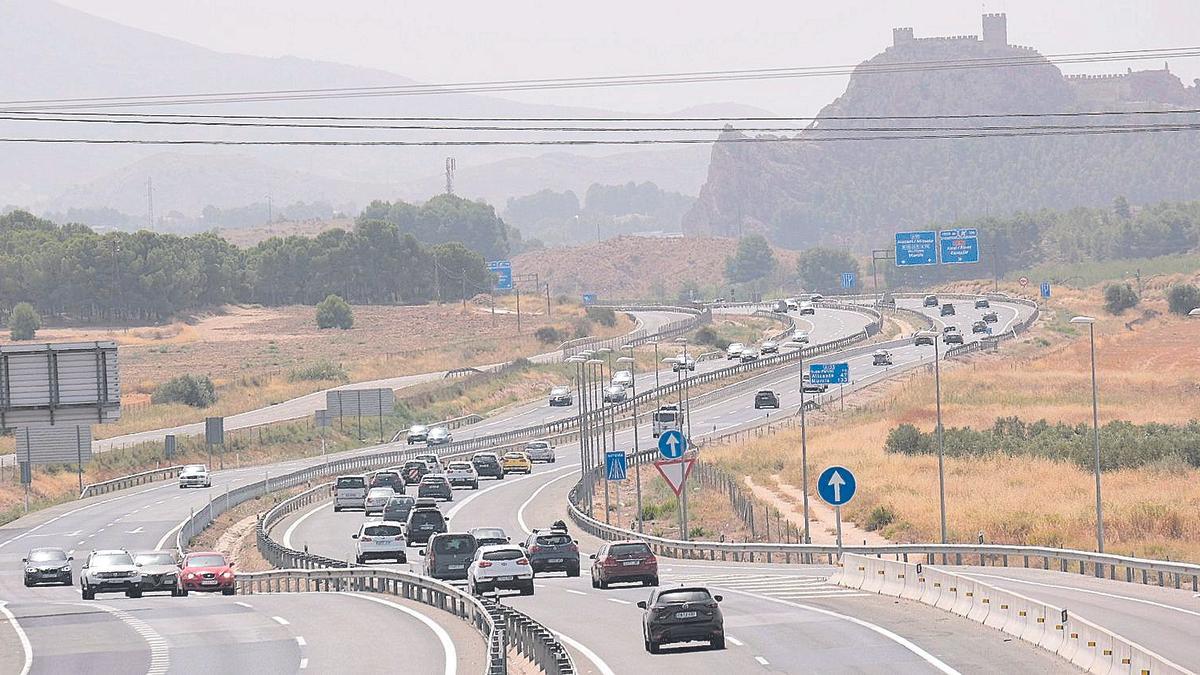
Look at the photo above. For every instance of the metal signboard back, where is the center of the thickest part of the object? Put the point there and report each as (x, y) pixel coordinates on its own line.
(67, 383)
(214, 431)
(60, 444)
(359, 402)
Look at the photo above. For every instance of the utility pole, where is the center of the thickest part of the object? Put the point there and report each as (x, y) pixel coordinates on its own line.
(437, 283)
(270, 210)
(451, 165)
(464, 288)
(150, 203)
(518, 290)
(547, 299)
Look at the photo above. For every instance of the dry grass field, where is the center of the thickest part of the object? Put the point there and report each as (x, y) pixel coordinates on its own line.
(1147, 372)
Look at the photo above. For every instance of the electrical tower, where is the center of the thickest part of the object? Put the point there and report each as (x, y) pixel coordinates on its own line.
(451, 165)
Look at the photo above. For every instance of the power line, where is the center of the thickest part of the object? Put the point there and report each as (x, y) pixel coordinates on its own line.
(418, 89)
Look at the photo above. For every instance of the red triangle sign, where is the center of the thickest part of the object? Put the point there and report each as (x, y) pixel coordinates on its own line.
(675, 472)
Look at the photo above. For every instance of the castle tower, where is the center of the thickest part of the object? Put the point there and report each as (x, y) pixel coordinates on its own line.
(901, 35)
(995, 31)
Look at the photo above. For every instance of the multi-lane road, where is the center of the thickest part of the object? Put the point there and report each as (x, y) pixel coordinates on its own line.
(778, 618)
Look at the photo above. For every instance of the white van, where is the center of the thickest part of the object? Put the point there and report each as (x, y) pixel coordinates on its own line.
(350, 492)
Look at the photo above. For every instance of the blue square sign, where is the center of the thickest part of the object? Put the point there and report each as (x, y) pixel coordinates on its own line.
(916, 248)
(829, 373)
(503, 271)
(959, 245)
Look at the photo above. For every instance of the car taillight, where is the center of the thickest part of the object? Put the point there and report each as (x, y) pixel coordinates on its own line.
(652, 560)
(485, 563)
(608, 562)
(535, 549)
(523, 561)
(366, 539)
(573, 548)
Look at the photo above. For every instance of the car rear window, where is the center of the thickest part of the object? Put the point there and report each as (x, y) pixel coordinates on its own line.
(205, 561)
(460, 465)
(387, 476)
(684, 595)
(506, 554)
(352, 482)
(454, 544)
(382, 531)
(426, 517)
(629, 549)
(495, 533)
(553, 539)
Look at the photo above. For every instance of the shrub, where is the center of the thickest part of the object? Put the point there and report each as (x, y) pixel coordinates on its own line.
(603, 316)
(1119, 297)
(1183, 298)
(334, 312)
(547, 335)
(906, 439)
(194, 390)
(583, 327)
(880, 517)
(320, 371)
(23, 322)
(708, 336)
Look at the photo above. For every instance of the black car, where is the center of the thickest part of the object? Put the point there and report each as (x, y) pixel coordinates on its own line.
(414, 470)
(423, 523)
(766, 399)
(947, 309)
(44, 565)
(925, 339)
(552, 551)
(930, 301)
(954, 338)
(398, 508)
(979, 327)
(390, 479)
(682, 614)
(982, 303)
(435, 485)
(487, 464)
(991, 317)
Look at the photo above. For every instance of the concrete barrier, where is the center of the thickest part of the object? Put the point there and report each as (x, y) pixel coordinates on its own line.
(966, 596)
(982, 606)
(933, 587)
(914, 583)
(1035, 625)
(873, 581)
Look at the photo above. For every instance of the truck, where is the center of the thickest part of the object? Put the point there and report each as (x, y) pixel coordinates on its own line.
(780, 307)
(667, 418)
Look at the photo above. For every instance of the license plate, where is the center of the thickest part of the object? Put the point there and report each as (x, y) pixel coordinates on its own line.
(555, 560)
(631, 563)
(504, 578)
(212, 582)
(426, 527)
(685, 615)
(457, 567)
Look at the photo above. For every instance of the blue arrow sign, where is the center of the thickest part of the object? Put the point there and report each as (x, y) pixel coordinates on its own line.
(829, 373)
(672, 444)
(916, 248)
(849, 280)
(960, 245)
(615, 465)
(836, 485)
(503, 271)
(589, 298)
(1045, 289)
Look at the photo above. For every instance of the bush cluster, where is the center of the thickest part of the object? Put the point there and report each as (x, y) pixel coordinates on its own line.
(1119, 297)
(334, 312)
(603, 316)
(1183, 298)
(708, 336)
(320, 371)
(548, 335)
(194, 390)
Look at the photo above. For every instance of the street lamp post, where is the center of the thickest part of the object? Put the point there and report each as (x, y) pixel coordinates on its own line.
(637, 465)
(597, 398)
(803, 440)
(577, 361)
(685, 407)
(602, 459)
(1091, 324)
(941, 444)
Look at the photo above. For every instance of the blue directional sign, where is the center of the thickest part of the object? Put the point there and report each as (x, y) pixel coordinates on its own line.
(829, 373)
(503, 271)
(960, 245)
(916, 248)
(849, 280)
(615, 465)
(672, 444)
(836, 485)
(1045, 289)
(589, 298)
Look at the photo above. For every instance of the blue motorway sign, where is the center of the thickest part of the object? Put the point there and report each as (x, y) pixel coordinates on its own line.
(960, 245)
(829, 373)
(916, 248)
(672, 444)
(615, 465)
(836, 485)
(503, 271)
(849, 280)
(589, 298)
(1045, 289)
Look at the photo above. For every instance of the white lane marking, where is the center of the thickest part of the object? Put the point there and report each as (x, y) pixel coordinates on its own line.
(25, 646)
(762, 661)
(287, 535)
(502, 483)
(173, 530)
(587, 653)
(620, 601)
(300, 640)
(903, 642)
(572, 590)
(59, 517)
(448, 649)
(734, 641)
(244, 604)
(1084, 590)
(303, 664)
(521, 511)
(81, 542)
(280, 620)
(160, 658)
(134, 531)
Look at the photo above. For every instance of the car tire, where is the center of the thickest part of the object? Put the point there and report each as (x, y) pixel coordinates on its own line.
(527, 590)
(652, 646)
(573, 572)
(717, 642)
(358, 560)
(88, 594)
(135, 593)
(652, 581)
(595, 584)
(183, 592)
(28, 583)
(601, 584)
(336, 508)
(228, 591)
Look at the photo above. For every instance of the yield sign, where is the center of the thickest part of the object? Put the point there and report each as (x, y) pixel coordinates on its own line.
(675, 472)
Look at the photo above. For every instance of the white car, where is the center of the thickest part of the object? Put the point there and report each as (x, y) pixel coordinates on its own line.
(769, 347)
(503, 566)
(380, 539)
(462, 473)
(623, 378)
(349, 492)
(376, 499)
(540, 451)
(734, 350)
(807, 308)
(801, 336)
(110, 571)
(438, 436)
(434, 463)
(194, 475)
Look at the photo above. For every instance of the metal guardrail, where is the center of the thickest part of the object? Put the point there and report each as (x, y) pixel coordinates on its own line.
(572, 347)
(1085, 644)
(787, 320)
(452, 423)
(164, 473)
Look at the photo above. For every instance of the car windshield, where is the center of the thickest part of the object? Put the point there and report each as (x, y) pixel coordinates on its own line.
(439, 431)
(192, 468)
(107, 559)
(47, 555)
(489, 533)
(386, 475)
(553, 539)
(684, 595)
(154, 559)
(382, 530)
(376, 493)
(352, 482)
(559, 391)
(455, 543)
(629, 549)
(504, 554)
(664, 416)
(418, 429)
(207, 560)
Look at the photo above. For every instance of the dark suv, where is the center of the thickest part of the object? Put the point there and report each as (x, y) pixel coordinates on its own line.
(682, 614)
(435, 485)
(552, 551)
(930, 301)
(947, 310)
(423, 523)
(487, 464)
(390, 479)
(766, 399)
(398, 508)
(448, 555)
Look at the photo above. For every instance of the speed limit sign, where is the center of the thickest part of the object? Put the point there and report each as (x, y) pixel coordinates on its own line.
(1024, 281)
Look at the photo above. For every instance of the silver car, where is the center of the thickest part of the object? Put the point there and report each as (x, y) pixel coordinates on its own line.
(614, 394)
(540, 451)
(623, 378)
(417, 433)
(160, 571)
(438, 436)
(376, 499)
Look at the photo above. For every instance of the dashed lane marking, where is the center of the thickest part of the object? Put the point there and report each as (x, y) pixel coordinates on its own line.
(734, 641)
(762, 661)
(280, 620)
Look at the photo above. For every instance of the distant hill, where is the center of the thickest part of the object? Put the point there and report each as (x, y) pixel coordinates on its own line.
(856, 193)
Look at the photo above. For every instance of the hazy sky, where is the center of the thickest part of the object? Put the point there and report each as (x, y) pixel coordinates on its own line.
(518, 39)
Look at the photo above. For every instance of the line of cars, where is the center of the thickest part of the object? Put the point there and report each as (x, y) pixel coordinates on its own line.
(132, 572)
(950, 334)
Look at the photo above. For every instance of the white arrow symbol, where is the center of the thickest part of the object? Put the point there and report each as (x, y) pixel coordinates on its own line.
(134, 531)
(673, 443)
(836, 481)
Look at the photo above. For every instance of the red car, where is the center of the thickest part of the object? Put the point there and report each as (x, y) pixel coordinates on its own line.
(207, 571)
(622, 561)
